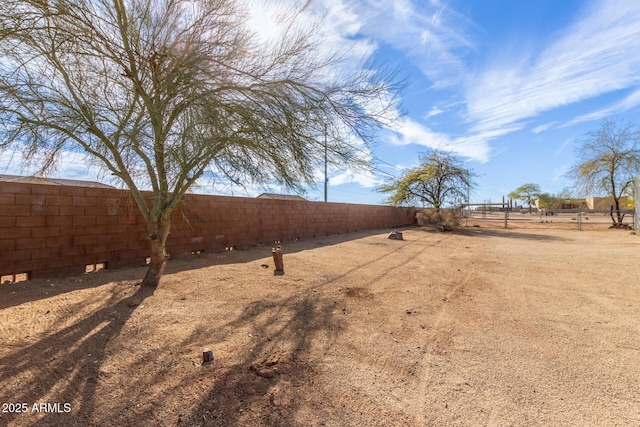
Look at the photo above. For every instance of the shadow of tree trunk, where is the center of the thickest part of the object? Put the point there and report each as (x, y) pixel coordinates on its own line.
(254, 385)
(64, 367)
(259, 387)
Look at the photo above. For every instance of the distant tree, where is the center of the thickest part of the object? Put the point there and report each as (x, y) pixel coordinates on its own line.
(546, 201)
(526, 193)
(609, 160)
(160, 93)
(555, 201)
(440, 178)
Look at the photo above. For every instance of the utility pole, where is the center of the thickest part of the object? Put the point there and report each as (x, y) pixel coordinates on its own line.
(326, 179)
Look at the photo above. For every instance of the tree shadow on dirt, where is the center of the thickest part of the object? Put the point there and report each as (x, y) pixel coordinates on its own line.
(15, 294)
(260, 387)
(253, 385)
(64, 367)
(276, 347)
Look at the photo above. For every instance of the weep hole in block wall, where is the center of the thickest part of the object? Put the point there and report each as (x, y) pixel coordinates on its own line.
(92, 268)
(14, 278)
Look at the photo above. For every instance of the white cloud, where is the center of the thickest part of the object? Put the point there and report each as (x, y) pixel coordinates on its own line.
(597, 54)
(629, 102)
(332, 23)
(412, 132)
(431, 35)
(563, 146)
(543, 127)
(428, 35)
(69, 165)
(600, 53)
(365, 179)
(434, 112)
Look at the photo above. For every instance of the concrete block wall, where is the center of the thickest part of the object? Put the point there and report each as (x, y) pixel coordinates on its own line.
(48, 229)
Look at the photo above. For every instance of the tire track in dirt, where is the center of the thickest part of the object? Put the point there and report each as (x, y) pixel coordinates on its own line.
(361, 291)
(438, 340)
(533, 358)
(412, 340)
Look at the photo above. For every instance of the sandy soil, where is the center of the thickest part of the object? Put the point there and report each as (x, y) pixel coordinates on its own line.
(484, 326)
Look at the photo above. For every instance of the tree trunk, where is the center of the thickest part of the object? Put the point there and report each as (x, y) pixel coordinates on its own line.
(618, 213)
(159, 231)
(613, 220)
(617, 220)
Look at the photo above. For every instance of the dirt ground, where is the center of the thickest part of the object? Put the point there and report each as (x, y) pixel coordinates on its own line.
(485, 326)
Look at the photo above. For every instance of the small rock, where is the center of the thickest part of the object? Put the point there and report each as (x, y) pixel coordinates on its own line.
(134, 303)
(264, 265)
(266, 373)
(395, 235)
(261, 371)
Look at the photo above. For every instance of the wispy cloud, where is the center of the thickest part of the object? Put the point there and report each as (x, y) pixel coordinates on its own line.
(331, 21)
(433, 36)
(597, 54)
(434, 112)
(563, 146)
(629, 102)
(600, 53)
(543, 127)
(365, 179)
(69, 165)
(412, 132)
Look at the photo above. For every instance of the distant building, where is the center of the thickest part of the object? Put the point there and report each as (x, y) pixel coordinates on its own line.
(52, 181)
(563, 205)
(599, 204)
(281, 197)
(605, 203)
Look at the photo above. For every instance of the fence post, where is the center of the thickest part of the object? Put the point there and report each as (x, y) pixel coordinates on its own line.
(506, 216)
(579, 221)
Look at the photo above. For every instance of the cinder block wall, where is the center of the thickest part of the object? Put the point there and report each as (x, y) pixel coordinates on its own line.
(48, 229)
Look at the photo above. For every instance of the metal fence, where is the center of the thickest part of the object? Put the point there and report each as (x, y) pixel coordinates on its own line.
(521, 218)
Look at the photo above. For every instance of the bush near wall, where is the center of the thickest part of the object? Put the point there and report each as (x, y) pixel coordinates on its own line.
(443, 219)
(49, 229)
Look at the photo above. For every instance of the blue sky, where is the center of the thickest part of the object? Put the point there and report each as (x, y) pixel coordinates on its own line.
(509, 85)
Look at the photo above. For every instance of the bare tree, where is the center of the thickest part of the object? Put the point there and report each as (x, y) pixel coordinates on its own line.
(439, 178)
(161, 92)
(609, 160)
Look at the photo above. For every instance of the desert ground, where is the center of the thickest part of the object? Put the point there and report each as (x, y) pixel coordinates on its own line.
(529, 326)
